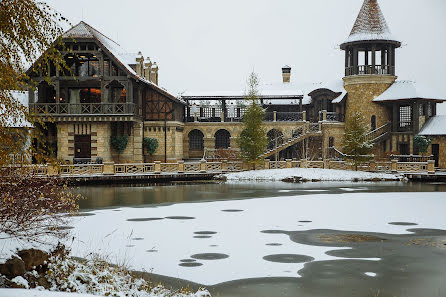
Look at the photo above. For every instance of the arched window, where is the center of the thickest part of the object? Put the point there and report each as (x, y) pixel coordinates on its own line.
(275, 138)
(373, 122)
(196, 140)
(222, 139)
(331, 141)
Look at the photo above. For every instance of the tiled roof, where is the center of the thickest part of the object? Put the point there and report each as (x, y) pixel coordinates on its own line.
(370, 24)
(407, 90)
(434, 126)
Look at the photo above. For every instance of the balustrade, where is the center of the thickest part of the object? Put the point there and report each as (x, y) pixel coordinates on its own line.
(82, 108)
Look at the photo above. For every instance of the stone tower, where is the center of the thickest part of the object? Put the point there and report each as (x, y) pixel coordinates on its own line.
(369, 64)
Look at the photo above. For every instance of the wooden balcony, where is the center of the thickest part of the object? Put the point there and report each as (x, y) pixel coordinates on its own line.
(73, 112)
(370, 70)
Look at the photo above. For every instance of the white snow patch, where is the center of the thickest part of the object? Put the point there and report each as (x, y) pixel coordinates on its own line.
(20, 281)
(307, 173)
(371, 274)
(38, 293)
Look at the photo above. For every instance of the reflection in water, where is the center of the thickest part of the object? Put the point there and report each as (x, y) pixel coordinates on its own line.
(98, 197)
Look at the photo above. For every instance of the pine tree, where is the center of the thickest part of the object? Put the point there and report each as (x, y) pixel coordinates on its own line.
(355, 145)
(422, 143)
(253, 139)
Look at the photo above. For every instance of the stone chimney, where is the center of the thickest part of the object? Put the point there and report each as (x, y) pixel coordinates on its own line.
(148, 69)
(139, 64)
(286, 74)
(154, 73)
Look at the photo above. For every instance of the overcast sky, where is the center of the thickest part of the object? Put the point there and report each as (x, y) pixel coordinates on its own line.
(205, 45)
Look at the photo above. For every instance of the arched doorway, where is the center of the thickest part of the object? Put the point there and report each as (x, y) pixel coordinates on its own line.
(222, 139)
(196, 143)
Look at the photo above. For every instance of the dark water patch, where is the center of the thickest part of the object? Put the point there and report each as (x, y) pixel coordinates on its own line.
(209, 256)
(288, 258)
(232, 210)
(305, 221)
(188, 260)
(152, 251)
(274, 232)
(202, 236)
(213, 245)
(144, 219)
(205, 232)
(180, 218)
(192, 264)
(138, 238)
(274, 244)
(403, 224)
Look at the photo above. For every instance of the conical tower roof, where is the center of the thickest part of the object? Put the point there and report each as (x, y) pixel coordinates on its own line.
(370, 25)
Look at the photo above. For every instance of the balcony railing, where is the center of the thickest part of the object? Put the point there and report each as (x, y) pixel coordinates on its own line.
(83, 108)
(369, 69)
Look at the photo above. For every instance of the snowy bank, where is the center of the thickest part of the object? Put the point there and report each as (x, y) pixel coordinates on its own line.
(309, 174)
(36, 293)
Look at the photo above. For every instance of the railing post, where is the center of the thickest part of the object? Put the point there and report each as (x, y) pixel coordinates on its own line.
(195, 116)
(394, 166)
(52, 170)
(266, 164)
(203, 166)
(431, 167)
(326, 164)
(372, 166)
(303, 163)
(180, 166)
(288, 163)
(109, 168)
(304, 116)
(274, 116)
(157, 167)
(324, 115)
(224, 165)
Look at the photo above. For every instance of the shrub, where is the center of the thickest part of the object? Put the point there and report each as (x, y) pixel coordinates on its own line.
(150, 144)
(119, 143)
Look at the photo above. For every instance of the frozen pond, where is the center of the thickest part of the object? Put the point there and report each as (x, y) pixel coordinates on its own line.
(274, 238)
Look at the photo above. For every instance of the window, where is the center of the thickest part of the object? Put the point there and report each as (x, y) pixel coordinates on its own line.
(222, 139)
(373, 122)
(405, 116)
(429, 110)
(196, 140)
(421, 109)
(90, 95)
(106, 68)
(330, 141)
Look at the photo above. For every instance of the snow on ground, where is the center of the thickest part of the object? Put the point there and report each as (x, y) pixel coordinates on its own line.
(308, 173)
(36, 293)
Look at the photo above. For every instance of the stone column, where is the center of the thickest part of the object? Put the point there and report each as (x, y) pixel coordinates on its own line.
(157, 167)
(266, 164)
(203, 166)
(431, 167)
(394, 166)
(180, 166)
(288, 163)
(109, 168)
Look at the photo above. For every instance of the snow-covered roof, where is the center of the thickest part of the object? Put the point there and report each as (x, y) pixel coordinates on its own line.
(20, 122)
(83, 30)
(370, 24)
(275, 93)
(405, 90)
(434, 126)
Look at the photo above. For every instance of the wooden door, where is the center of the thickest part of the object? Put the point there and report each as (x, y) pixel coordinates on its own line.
(82, 146)
(436, 153)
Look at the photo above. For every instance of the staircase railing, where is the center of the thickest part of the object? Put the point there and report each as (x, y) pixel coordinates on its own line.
(373, 135)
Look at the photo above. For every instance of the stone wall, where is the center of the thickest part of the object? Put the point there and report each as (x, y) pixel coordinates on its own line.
(362, 89)
(173, 135)
(100, 141)
(335, 130)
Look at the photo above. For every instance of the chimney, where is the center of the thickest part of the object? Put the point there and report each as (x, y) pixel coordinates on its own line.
(286, 74)
(154, 74)
(147, 69)
(139, 64)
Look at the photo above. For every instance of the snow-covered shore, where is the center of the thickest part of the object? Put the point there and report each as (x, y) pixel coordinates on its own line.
(308, 174)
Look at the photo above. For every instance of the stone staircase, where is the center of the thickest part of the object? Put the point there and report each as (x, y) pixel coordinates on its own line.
(298, 134)
(379, 134)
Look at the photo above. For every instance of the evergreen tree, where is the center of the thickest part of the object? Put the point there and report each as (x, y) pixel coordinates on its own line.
(422, 143)
(253, 139)
(355, 145)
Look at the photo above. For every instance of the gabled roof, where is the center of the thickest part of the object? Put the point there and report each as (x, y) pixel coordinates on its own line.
(85, 31)
(434, 126)
(370, 25)
(408, 90)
